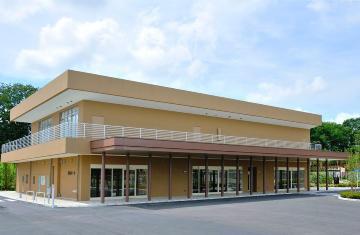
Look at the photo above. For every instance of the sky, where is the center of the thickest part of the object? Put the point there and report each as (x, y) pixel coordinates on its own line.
(302, 55)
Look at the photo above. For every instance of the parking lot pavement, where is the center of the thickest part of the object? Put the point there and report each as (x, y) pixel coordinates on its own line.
(287, 214)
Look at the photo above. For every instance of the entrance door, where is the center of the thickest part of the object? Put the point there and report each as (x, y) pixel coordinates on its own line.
(117, 183)
(254, 184)
(213, 180)
(108, 182)
(96, 180)
(131, 182)
(95, 183)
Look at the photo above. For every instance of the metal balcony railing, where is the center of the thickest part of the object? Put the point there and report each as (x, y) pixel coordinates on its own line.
(97, 131)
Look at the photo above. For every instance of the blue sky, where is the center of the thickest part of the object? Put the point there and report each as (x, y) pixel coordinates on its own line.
(302, 55)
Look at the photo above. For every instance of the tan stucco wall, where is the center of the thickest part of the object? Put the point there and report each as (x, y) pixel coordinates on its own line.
(112, 86)
(150, 118)
(65, 183)
(54, 149)
(68, 185)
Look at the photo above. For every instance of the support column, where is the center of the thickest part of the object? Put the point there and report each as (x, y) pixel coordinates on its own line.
(102, 178)
(298, 174)
(251, 178)
(189, 191)
(308, 173)
(127, 178)
(77, 179)
(237, 176)
(30, 175)
(206, 176)
(326, 174)
(264, 178)
(287, 175)
(317, 174)
(276, 175)
(222, 176)
(170, 177)
(149, 177)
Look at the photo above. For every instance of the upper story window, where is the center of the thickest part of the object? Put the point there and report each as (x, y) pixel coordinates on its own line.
(70, 115)
(69, 122)
(45, 134)
(44, 124)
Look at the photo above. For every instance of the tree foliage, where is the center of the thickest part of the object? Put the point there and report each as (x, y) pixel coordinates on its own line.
(332, 136)
(11, 95)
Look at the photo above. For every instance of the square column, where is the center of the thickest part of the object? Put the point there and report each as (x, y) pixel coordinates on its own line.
(317, 174)
(308, 173)
(206, 176)
(127, 178)
(327, 174)
(149, 177)
(287, 175)
(170, 177)
(189, 191)
(102, 178)
(264, 172)
(276, 175)
(222, 176)
(237, 176)
(251, 178)
(298, 174)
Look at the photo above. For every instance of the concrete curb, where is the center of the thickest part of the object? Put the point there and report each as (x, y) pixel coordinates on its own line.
(348, 199)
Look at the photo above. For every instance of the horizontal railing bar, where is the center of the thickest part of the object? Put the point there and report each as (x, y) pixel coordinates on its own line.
(99, 131)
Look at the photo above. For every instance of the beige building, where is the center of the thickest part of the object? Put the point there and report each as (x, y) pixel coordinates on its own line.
(96, 137)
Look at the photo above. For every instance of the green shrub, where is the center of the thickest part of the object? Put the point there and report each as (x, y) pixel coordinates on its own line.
(350, 194)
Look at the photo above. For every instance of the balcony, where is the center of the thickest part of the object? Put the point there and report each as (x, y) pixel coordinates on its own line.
(97, 132)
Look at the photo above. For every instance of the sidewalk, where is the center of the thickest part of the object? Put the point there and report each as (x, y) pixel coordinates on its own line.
(121, 201)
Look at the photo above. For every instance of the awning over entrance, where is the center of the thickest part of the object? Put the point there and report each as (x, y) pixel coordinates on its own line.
(121, 145)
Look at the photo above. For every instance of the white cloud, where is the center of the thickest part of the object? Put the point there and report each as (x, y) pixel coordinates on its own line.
(341, 117)
(319, 5)
(176, 48)
(272, 93)
(17, 10)
(67, 39)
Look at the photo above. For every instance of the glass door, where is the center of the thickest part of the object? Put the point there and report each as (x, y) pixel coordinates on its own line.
(131, 182)
(213, 181)
(95, 183)
(141, 182)
(195, 180)
(108, 182)
(117, 190)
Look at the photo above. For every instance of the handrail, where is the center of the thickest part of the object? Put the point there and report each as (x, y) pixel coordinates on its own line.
(99, 131)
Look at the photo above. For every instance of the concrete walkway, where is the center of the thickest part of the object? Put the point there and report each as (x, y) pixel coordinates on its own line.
(12, 195)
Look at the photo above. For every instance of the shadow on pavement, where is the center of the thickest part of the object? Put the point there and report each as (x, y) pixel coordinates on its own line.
(220, 201)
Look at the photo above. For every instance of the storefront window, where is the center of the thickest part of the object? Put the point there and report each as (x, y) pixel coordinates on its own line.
(292, 178)
(198, 179)
(115, 176)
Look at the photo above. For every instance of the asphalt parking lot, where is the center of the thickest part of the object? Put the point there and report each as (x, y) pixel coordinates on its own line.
(282, 214)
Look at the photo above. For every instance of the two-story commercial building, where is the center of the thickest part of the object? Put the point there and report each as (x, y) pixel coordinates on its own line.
(94, 137)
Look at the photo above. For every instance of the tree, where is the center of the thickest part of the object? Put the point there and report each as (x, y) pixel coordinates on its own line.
(354, 125)
(332, 136)
(11, 95)
(352, 164)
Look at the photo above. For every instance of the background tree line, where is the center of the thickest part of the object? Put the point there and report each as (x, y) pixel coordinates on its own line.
(332, 136)
(10, 96)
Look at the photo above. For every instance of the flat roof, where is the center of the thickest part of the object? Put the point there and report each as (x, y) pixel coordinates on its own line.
(73, 86)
